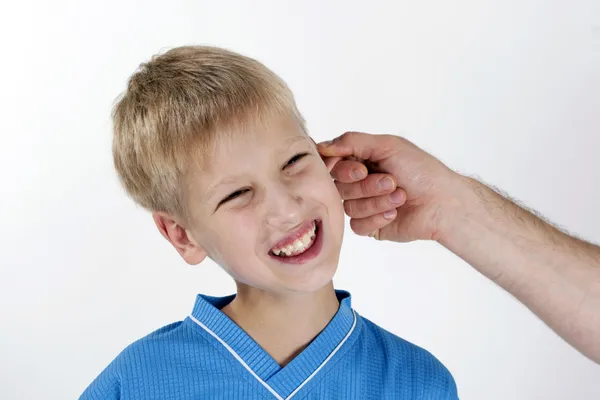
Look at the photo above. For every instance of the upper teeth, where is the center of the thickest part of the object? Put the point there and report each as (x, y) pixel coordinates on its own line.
(299, 245)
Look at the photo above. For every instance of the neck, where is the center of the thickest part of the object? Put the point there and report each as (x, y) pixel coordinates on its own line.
(283, 325)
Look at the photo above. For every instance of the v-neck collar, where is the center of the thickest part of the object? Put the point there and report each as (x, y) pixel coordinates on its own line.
(281, 382)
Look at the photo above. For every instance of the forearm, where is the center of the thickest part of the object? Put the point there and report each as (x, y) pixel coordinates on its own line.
(555, 275)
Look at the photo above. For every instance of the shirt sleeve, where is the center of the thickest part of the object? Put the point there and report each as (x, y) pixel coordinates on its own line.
(445, 382)
(452, 391)
(106, 386)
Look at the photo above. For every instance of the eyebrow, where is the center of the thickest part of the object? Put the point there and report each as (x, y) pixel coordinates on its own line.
(210, 192)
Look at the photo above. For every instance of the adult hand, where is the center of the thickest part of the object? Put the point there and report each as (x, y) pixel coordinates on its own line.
(555, 275)
(392, 190)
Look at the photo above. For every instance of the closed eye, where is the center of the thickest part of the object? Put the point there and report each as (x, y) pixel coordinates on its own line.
(233, 195)
(296, 158)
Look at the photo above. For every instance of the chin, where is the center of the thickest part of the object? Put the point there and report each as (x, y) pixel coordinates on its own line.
(313, 281)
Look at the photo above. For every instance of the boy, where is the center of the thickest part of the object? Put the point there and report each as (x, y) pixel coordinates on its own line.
(211, 142)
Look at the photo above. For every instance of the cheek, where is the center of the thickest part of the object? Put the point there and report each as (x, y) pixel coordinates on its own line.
(231, 237)
(240, 230)
(331, 197)
(320, 185)
(326, 182)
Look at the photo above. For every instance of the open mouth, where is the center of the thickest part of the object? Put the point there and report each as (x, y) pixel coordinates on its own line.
(302, 248)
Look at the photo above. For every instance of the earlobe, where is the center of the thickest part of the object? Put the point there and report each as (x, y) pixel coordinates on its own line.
(179, 237)
(194, 256)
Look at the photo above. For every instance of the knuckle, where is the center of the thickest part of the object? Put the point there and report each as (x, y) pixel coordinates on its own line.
(364, 186)
(362, 207)
(383, 204)
(348, 136)
(342, 190)
(358, 227)
(350, 208)
(356, 208)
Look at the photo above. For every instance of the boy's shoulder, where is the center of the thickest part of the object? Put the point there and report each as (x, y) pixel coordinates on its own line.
(405, 361)
(176, 339)
(390, 341)
(145, 358)
(153, 341)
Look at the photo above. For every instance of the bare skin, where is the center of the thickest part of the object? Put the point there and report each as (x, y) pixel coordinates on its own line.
(283, 325)
(261, 187)
(555, 275)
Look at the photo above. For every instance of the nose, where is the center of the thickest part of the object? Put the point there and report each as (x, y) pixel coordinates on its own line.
(283, 207)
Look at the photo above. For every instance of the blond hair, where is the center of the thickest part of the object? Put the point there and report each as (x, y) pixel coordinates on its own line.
(174, 108)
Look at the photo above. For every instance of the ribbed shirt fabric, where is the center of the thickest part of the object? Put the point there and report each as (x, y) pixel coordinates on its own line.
(207, 356)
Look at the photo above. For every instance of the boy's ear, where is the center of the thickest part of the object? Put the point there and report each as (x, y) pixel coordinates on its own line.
(179, 237)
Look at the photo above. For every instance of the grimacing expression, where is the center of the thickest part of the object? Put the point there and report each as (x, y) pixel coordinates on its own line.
(267, 210)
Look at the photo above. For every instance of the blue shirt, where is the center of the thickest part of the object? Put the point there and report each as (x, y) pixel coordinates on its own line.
(207, 356)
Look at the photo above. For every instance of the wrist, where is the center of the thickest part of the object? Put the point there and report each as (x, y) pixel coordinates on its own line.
(457, 205)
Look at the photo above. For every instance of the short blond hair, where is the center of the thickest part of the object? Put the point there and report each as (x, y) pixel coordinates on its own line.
(174, 108)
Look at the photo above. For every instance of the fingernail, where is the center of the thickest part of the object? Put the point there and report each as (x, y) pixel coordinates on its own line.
(391, 214)
(397, 197)
(385, 183)
(326, 143)
(358, 174)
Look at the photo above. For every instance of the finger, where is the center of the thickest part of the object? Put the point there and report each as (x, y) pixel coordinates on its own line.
(331, 162)
(370, 226)
(373, 185)
(348, 171)
(361, 145)
(363, 208)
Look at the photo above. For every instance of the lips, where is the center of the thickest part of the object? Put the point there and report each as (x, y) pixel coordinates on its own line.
(299, 233)
(309, 252)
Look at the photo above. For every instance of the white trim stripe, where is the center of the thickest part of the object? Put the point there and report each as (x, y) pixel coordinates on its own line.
(327, 359)
(265, 384)
(237, 357)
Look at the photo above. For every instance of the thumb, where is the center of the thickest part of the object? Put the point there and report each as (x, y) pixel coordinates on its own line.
(363, 146)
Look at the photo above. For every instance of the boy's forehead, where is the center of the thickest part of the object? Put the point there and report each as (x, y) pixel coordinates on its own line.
(245, 152)
(258, 139)
(248, 150)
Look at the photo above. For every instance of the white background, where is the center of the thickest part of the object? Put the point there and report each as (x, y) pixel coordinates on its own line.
(508, 91)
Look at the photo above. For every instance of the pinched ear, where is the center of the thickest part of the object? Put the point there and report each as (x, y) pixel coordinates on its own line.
(179, 237)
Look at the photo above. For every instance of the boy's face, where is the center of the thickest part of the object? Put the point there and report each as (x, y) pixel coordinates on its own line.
(267, 210)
